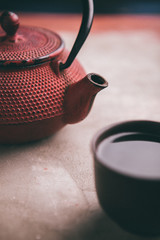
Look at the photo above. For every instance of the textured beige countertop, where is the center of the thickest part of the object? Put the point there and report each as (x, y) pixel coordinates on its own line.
(47, 188)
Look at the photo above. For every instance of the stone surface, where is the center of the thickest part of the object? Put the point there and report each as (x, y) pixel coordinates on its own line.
(47, 188)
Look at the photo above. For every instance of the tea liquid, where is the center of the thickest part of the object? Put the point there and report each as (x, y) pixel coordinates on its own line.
(133, 153)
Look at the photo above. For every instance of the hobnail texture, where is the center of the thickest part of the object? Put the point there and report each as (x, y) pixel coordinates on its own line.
(35, 93)
(31, 43)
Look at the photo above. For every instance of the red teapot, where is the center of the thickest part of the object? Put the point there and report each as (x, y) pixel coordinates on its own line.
(42, 86)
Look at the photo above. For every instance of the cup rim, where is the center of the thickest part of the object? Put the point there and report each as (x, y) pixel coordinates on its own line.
(111, 130)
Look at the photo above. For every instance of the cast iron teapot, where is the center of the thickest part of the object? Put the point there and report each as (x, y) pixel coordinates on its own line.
(42, 86)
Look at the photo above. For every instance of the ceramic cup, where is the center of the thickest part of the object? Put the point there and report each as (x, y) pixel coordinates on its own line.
(127, 174)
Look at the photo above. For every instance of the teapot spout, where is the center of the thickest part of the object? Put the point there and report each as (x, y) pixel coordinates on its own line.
(80, 96)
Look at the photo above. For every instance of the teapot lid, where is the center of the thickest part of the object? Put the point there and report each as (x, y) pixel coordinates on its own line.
(22, 45)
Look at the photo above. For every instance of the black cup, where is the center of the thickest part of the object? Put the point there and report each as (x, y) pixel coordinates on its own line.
(131, 200)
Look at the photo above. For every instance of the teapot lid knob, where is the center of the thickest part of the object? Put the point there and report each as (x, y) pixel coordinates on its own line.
(9, 22)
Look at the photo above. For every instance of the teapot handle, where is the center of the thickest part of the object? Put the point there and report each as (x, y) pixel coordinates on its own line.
(87, 19)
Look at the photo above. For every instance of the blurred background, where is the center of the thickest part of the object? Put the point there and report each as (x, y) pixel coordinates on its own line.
(74, 6)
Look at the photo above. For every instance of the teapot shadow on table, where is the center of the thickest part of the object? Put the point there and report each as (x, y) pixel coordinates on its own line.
(43, 87)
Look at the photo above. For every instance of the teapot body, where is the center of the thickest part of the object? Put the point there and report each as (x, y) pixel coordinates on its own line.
(42, 85)
(32, 99)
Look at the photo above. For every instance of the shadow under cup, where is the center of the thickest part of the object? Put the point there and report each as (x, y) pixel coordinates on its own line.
(127, 174)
